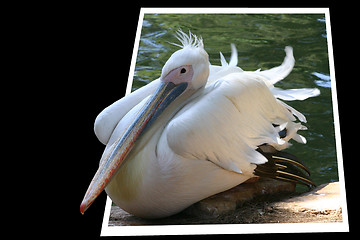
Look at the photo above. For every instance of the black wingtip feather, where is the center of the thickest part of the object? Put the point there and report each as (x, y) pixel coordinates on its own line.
(285, 167)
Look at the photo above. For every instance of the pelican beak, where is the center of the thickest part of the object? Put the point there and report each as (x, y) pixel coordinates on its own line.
(166, 93)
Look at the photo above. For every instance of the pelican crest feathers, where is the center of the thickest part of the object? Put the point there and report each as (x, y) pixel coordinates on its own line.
(190, 40)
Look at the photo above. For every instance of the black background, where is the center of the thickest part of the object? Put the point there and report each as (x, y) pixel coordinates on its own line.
(86, 51)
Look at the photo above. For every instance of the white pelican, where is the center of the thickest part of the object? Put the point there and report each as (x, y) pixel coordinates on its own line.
(196, 131)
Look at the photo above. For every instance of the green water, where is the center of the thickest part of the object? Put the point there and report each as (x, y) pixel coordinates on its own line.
(260, 40)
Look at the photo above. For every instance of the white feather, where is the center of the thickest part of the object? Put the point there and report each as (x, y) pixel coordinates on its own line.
(234, 56)
(295, 94)
(276, 74)
(223, 61)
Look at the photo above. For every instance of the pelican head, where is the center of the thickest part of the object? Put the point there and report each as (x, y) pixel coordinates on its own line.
(186, 71)
(190, 64)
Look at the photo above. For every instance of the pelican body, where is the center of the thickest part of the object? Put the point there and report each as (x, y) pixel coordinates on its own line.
(196, 131)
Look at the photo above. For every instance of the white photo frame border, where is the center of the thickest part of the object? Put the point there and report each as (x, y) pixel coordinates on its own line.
(343, 226)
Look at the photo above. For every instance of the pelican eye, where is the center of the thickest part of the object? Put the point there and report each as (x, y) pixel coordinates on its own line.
(183, 70)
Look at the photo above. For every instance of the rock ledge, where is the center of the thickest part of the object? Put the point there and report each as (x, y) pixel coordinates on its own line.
(265, 201)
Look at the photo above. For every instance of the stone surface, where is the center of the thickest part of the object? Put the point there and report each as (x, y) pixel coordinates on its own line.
(323, 199)
(236, 197)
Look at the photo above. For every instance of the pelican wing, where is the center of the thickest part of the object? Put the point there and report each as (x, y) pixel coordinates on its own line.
(276, 74)
(228, 121)
(107, 120)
